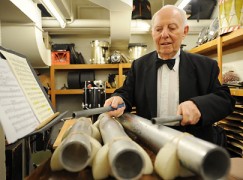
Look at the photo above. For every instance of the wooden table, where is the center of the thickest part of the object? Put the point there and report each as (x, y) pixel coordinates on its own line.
(44, 170)
(67, 124)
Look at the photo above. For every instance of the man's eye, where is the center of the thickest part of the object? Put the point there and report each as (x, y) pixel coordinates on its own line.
(172, 27)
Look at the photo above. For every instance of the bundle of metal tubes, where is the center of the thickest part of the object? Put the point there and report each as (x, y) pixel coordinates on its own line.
(201, 157)
(123, 158)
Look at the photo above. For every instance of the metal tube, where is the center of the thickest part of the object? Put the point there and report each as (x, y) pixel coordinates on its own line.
(166, 119)
(201, 157)
(90, 112)
(125, 160)
(74, 153)
(93, 111)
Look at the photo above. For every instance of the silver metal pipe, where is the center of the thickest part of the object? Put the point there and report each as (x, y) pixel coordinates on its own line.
(125, 160)
(74, 152)
(93, 111)
(167, 119)
(201, 157)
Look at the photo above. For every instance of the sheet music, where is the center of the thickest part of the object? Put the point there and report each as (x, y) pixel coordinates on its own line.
(16, 115)
(30, 86)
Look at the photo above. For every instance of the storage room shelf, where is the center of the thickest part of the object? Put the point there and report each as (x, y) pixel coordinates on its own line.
(77, 91)
(218, 46)
(207, 48)
(236, 92)
(54, 92)
(230, 40)
(92, 66)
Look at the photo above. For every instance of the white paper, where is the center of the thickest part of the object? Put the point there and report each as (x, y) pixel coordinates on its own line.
(16, 115)
(30, 86)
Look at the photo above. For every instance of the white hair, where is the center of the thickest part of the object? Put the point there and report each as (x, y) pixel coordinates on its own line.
(181, 11)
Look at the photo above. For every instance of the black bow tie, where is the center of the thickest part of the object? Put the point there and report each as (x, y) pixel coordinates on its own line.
(170, 63)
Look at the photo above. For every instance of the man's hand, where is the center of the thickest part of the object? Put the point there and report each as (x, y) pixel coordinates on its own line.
(113, 102)
(190, 113)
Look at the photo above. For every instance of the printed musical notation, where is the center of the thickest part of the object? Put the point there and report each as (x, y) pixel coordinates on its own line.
(24, 107)
(30, 86)
(16, 115)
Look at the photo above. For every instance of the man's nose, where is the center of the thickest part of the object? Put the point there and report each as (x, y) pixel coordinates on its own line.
(165, 33)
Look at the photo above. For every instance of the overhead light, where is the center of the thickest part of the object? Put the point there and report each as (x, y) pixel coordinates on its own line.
(182, 3)
(55, 12)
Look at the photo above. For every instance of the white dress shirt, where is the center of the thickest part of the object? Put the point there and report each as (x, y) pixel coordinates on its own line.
(168, 89)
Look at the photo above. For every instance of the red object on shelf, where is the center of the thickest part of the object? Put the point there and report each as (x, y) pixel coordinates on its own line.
(60, 57)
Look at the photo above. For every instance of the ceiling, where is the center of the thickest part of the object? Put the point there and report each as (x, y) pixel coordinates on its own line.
(79, 13)
(83, 13)
(86, 9)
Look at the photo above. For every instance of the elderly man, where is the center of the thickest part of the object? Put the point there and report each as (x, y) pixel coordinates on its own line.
(188, 85)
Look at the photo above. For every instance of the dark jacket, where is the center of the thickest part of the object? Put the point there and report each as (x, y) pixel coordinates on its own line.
(198, 81)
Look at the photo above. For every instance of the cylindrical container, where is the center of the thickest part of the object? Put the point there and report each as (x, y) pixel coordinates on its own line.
(136, 50)
(100, 52)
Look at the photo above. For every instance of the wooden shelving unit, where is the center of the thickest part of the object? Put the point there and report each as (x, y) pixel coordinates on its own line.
(53, 92)
(217, 46)
(236, 92)
(230, 40)
(207, 48)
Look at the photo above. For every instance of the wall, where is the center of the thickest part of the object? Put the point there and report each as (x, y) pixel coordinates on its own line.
(233, 60)
(2, 139)
(82, 42)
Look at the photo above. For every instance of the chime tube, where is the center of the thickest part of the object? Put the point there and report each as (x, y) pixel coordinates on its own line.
(204, 158)
(94, 111)
(73, 154)
(125, 160)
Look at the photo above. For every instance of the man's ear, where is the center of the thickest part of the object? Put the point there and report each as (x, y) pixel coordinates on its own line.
(186, 30)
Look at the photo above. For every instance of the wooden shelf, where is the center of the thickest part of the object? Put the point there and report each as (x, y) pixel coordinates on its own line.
(86, 66)
(91, 66)
(236, 92)
(207, 48)
(224, 42)
(233, 39)
(69, 91)
(53, 92)
(77, 91)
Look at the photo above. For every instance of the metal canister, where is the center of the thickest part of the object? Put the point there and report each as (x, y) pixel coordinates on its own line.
(100, 52)
(136, 50)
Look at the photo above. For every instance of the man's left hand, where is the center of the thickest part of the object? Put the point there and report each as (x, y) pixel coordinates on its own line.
(190, 113)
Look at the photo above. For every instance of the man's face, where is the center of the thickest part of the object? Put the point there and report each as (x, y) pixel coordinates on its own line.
(168, 31)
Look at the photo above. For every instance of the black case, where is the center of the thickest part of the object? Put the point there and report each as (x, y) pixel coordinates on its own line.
(141, 9)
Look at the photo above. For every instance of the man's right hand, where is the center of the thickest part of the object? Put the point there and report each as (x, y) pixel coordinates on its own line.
(113, 102)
